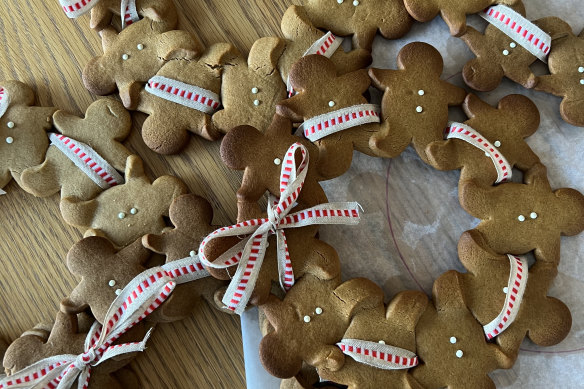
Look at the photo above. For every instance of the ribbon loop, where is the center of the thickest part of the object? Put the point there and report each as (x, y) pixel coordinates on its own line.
(249, 253)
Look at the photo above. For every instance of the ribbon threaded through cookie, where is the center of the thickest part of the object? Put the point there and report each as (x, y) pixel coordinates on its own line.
(184, 94)
(515, 289)
(88, 161)
(137, 300)
(76, 8)
(470, 135)
(249, 253)
(521, 30)
(129, 13)
(4, 101)
(329, 123)
(380, 355)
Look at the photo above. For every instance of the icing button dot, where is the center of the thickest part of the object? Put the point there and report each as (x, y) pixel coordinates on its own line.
(125, 57)
(419, 109)
(277, 161)
(140, 46)
(421, 92)
(331, 103)
(307, 319)
(121, 215)
(318, 310)
(459, 353)
(9, 140)
(453, 340)
(582, 81)
(118, 291)
(505, 290)
(521, 218)
(340, 1)
(505, 52)
(487, 155)
(381, 342)
(533, 215)
(497, 143)
(356, 3)
(10, 124)
(133, 211)
(192, 253)
(112, 283)
(581, 69)
(256, 102)
(254, 90)
(513, 45)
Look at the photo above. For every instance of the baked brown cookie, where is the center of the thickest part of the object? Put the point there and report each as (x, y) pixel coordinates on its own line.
(505, 128)
(160, 11)
(83, 170)
(23, 141)
(126, 212)
(415, 101)
(310, 320)
(337, 117)
(360, 18)
(498, 288)
(517, 218)
(134, 56)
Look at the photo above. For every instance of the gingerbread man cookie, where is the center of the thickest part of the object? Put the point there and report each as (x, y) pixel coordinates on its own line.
(126, 212)
(310, 320)
(23, 141)
(134, 56)
(337, 117)
(488, 145)
(509, 299)
(415, 101)
(85, 157)
(160, 11)
(360, 18)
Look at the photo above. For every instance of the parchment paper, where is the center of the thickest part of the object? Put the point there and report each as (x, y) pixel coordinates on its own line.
(412, 219)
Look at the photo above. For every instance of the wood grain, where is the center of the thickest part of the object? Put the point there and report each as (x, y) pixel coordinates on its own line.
(47, 51)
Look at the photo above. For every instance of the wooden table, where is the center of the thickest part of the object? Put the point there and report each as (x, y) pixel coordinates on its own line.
(47, 51)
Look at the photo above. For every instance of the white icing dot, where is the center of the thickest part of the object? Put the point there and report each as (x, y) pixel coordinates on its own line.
(307, 319)
(9, 140)
(318, 310)
(331, 103)
(118, 291)
(459, 353)
(254, 90)
(581, 69)
(125, 57)
(453, 340)
(133, 211)
(10, 124)
(521, 218)
(121, 215)
(140, 46)
(497, 143)
(421, 92)
(277, 161)
(582, 81)
(533, 215)
(340, 1)
(192, 253)
(356, 3)
(505, 52)
(419, 109)
(505, 290)
(487, 155)
(256, 102)
(112, 283)
(381, 342)
(513, 45)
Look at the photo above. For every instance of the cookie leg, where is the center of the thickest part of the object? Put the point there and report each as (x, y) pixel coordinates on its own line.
(335, 156)
(456, 21)
(388, 143)
(573, 112)
(483, 74)
(163, 135)
(364, 39)
(42, 180)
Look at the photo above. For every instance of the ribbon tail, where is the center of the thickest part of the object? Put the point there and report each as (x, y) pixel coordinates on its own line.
(84, 377)
(127, 348)
(41, 374)
(68, 377)
(2, 192)
(285, 271)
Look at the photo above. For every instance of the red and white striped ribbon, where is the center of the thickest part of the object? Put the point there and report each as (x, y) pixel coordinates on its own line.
(327, 45)
(181, 93)
(468, 134)
(76, 8)
(4, 101)
(137, 300)
(129, 13)
(521, 30)
(186, 270)
(378, 355)
(249, 253)
(329, 123)
(515, 289)
(88, 161)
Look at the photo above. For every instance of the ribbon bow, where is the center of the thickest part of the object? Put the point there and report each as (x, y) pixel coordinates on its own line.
(137, 300)
(250, 252)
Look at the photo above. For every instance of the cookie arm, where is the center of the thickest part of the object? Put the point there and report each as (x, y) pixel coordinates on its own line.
(521, 75)
(456, 20)
(5, 178)
(456, 95)
(549, 83)
(75, 303)
(477, 200)
(443, 155)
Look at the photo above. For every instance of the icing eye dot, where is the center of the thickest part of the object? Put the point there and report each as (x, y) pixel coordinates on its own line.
(133, 211)
(505, 290)
(340, 1)
(307, 319)
(140, 46)
(419, 109)
(356, 3)
(381, 342)
(331, 103)
(121, 215)
(521, 218)
(533, 215)
(256, 102)
(513, 45)
(192, 253)
(505, 52)
(118, 291)
(318, 310)
(582, 81)
(112, 283)
(487, 155)
(254, 90)
(9, 140)
(581, 69)
(10, 124)
(459, 353)
(125, 57)
(277, 161)
(453, 340)
(497, 143)
(421, 92)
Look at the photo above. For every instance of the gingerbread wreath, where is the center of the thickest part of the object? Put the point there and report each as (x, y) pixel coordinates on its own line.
(317, 328)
